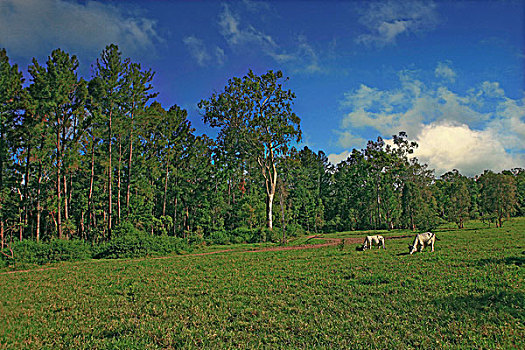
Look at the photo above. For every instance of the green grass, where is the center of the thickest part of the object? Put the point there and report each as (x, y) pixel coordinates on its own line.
(469, 293)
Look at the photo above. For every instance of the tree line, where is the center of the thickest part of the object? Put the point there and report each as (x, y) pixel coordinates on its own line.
(80, 158)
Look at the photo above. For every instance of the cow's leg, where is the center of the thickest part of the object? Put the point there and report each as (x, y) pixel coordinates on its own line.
(432, 246)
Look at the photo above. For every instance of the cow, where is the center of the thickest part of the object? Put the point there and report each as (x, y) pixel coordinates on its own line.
(421, 241)
(373, 240)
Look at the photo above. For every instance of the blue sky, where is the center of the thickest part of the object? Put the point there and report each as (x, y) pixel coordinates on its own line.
(449, 73)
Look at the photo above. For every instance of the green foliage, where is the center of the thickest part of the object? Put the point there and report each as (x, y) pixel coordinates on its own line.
(126, 228)
(80, 159)
(31, 252)
(219, 238)
(498, 196)
(294, 230)
(133, 243)
(257, 124)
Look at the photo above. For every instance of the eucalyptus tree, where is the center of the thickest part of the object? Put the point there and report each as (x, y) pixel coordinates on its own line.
(257, 112)
(519, 174)
(497, 196)
(11, 95)
(456, 198)
(60, 97)
(398, 156)
(352, 194)
(420, 209)
(306, 186)
(378, 162)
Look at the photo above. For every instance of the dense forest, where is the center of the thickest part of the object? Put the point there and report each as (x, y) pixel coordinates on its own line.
(81, 158)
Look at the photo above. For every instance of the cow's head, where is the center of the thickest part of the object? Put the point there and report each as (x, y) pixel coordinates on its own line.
(411, 249)
(364, 247)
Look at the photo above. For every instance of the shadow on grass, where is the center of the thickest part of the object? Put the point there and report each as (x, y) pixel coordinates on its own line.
(511, 303)
(403, 254)
(513, 260)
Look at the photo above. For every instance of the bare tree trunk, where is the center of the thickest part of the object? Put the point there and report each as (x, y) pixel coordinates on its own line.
(20, 228)
(269, 172)
(165, 189)
(283, 221)
(70, 193)
(118, 176)
(187, 219)
(38, 204)
(26, 185)
(91, 219)
(110, 177)
(66, 199)
(58, 188)
(175, 217)
(128, 191)
(269, 210)
(2, 233)
(82, 228)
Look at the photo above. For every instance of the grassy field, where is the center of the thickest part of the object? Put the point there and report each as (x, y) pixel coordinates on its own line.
(469, 293)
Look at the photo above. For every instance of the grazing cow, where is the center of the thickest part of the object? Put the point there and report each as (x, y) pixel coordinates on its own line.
(421, 241)
(373, 240)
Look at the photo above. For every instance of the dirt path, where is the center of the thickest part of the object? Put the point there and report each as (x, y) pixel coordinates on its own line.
(328, 242)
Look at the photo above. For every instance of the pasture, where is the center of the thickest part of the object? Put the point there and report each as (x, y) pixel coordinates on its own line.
(469, 293)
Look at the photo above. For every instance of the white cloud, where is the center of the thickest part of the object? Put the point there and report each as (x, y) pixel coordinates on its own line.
(444, 71)
(492, 89)
(481, 129)
(220, 55)
(349, 140)
(236, 35)
(385, 21)
(447, 146)
(197, 50)
(302, 57)
(338, 158)
(30, 27)
(200, 52)
(509, 124)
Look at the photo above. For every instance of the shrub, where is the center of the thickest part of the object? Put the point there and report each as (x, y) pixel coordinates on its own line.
(32, 252)
(124, 229)
(133, 243)
(219, 237)
(238, 240)
(294, 230)
(28, 251)
(68, 250)
(264, 234)
(242, 235)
